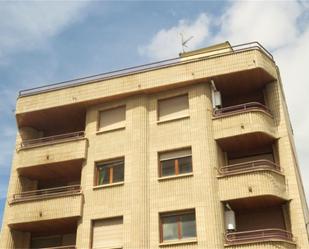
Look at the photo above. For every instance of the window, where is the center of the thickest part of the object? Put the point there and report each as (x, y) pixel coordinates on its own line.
(177, 226)
(53, 241)
(175, 162)
(109, 172)
(107, 233)
(46, 241)
(112, 119)
(173, 108)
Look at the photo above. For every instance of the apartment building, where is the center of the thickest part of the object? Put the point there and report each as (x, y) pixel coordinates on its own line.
(193, 152)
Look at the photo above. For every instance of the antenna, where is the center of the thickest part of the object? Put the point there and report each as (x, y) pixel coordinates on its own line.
(184, 42)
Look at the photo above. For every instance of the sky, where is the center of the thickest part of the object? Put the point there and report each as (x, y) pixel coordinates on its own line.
(47, 42)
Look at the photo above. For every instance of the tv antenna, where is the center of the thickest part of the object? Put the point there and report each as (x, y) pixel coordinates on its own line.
(184, 41)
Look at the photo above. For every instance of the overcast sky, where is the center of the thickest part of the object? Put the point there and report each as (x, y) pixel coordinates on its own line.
(43, 43)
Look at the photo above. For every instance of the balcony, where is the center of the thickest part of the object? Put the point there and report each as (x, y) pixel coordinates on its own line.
(46, 194)
(243, 119)
(52, 149)
(264, 180)
(49, 191)
(237, 109)
(258, 220)
(51, 234)
(249, 167)
(29, 143)
(262, 235)
(45, 204)
(244, 104)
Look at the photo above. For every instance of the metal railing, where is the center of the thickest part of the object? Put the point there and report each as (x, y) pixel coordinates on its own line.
(46, 193)
(142, 68)
(257, 236)
(241, 108)
(60, 247)
(52, 139)
(249, 166)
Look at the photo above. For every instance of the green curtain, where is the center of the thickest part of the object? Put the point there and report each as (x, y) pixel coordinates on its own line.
(102, 174)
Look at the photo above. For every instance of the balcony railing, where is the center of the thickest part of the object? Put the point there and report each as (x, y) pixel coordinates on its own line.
(46, 193)
(241, 108)
(52, 139)
(248, 167)
(257, 236)
(60, 247)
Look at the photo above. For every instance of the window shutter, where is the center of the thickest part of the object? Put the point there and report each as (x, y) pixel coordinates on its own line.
(112, 118)
(173, 107)
(108, 233)
(175, 154)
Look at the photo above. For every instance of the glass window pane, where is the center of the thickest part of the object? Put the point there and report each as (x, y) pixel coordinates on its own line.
(185, 165)
(167, 167)
(169, 228)
(103, 175)
(188, 227)
(111, 171)
(118, 173)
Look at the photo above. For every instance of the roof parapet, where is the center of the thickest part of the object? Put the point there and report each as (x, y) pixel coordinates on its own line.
(200, 54)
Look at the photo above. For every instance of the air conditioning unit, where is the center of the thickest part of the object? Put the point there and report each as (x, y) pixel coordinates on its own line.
(230, 221)
(217, 99)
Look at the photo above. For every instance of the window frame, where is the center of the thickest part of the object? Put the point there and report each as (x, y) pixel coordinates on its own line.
(99, 112)
(111, 171)
(168, 98)
(176, 162)
(178, 214)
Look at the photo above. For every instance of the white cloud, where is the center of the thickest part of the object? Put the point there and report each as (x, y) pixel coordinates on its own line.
(293, 64)
(167, 42)
(28, 25)
(305, 3)
(282, 27)
(272, 23)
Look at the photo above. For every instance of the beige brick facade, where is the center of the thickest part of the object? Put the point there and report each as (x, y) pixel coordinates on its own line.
(53, 186)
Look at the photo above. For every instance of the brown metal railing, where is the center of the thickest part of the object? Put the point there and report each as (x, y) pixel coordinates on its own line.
(52, 139)
(258, 235)
(249, 166)
(142, 68)
(60, 247)
(241, 108)
(46, 193)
